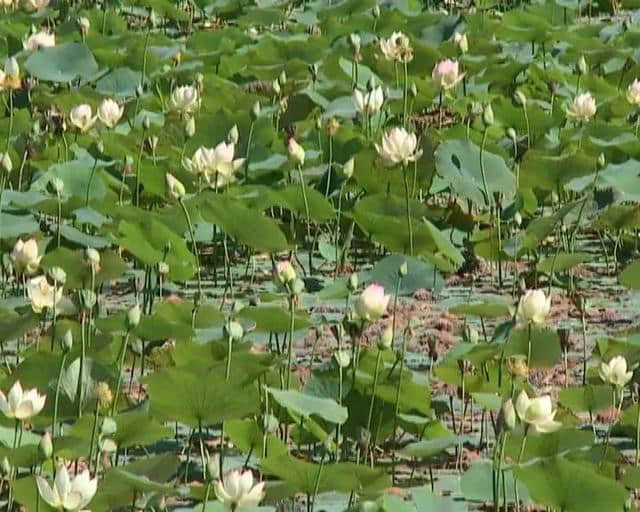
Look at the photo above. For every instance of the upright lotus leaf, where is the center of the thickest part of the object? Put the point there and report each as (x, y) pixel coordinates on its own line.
(78, 271)
(309, 405)
(541, 227)
(622, 178)
(487, 306)
(274, 319)
(121, 83)
(544, 171)
(476, 484)
(198, 396)
(545, 346)
(62, 63)
(562, 261)
(458, 163)
(589, 398)
(14, 325)
(571, 486)
(426, 449)
(420, 275)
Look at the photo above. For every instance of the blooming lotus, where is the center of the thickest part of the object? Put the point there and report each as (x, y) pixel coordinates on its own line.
(42, 39)
(36, 5)
(397, 47)
(67, 494)
(371, 303)
(41, 294)
(21, 404)
(238, 491)
(537, 412)
(216, 165)
(109, 112)
(446, 74)
(583, 107)
(296, 151)
(633, 92)
(25, 256)
(82, 117)
(615, 372)
(398, 147)
(368, 102)
(185, 98)
(533, 308)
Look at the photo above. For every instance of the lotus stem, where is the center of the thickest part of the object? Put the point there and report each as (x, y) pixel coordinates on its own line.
(123, 352)
(407, 208)
(290, 344)
(195, 247)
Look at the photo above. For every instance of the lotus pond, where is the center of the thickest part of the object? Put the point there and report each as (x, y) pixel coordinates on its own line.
(328, 255)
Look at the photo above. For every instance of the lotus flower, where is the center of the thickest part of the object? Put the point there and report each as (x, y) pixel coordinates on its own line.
(42, 294)
(397, 47)
(537, 412)
(21, 404)
(216, 165)
(185, 98)
(533, 308)
(82, 117)
(615, 372)
(67, 494)
(42, 39)
(25, 256)
(446, 74)
(109, 112)
(583, 107)
(296, 151)
(285, 273)
(368, 102)
(238, 491)
(633, 92)
(371, 303)
(398, 147)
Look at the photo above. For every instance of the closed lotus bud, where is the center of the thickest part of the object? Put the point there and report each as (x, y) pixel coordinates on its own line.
(93, 258)
(87, 299)
(190, 127)
(233, 134)
(276, 87)
(212, 470)
(403, 270)
(133, 317)
(508, 415)
(342, 358)
(45, 446)
(517, 218)
(11, 67)
(255, 111)
(175, 188)
(385, 341)
(104, 395)
(5, 163)
(413, 90)
(511, 133)
(376, 11)
(354, 41)
(296, 152)
(520, 98)
(487, 115)
(67, 341)
(58, 275)
(285, 273)
(352, 283)
(297, 287)
(372, 303)
(139, 92)
(348, 167)
(270, 424)
(5, 467)
(146, 123)
(84, 25)
(163, 268)
(108, 427)
(582, 67)
(282, 78)
(461, 41)
(602, 161)
(233, 331)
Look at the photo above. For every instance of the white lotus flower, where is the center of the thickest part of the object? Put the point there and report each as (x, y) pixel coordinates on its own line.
(109, 112)
(368, 102)
(82, 117)
(175, 188)
(537, 412)
(285, 273)
(185, 98)
(461, 41)
(216, 165)
(11, 74)
(296, 151)
(633, 92)
(615, 372)
(534, 308)
(42, 39)
(371, 303)
(21, 404)
(583, 107)
(36, 5)
(25, 256)
(67, 494)
(41, 294)
(446, 74)
(398, 147)
(237, 490)
(397, 47)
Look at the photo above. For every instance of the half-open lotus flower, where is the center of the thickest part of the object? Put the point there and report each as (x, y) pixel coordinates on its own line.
(185, 98)
(633, 92)
(397, 47)
(68, 494)
(82, 117)
(398, 147)
(537, 413)
(41, 294)
(109, 112)
(238, 490)
(21, 404)
(533, 308)
(446, 74)
(25, 256)
(216, 165)
(583, 107)
(371, 303)
(42, 39)
(368, 102)
(615, 372)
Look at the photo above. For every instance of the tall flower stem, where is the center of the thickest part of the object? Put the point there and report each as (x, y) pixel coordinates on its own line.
(121, 356)
(306, 202)
(56, 401)
(292, 311)
(138, 170)
(528, 347)
(195, 247)
(405, 95)
(407, 208)
(227, 372)
(83, 353)
(248, 153)
(396, 406)
(375, 386)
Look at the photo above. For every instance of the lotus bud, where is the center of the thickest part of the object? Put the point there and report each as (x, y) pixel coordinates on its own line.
(5, 467)
(582, 67)
(84, 25)
(348, 168)
(487, 115)
(11, 67)
(285, 273)
(5, 163)
(104, 395)
(296, 152)
(93, 258)
(190, 127)
(233, 331)
(270, 424)
(282, 78)
(133, 317)
(255, 111)
(403, 270)
(276, 87)
(520, 98)
(108, 427)
(175, 188)
(354, 41)
(517, 218)
(139, 92)
(342, 358)
(508, 415)
(45, 446)
(297, 287)
(372, 303)
(146, 123)
(413, 90)
(461, 41)
(163, 268)
(212, 470)
(233, 135)
(511, 133)
(602, 161)
(375, 11)
(352, 283)
(58, 275)
(385, 341)
(67, 341)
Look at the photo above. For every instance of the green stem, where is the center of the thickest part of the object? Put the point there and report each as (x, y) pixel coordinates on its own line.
(405, 95)
(408, 208)
(227, 373)
(123, 352)
(193, 242)
(375, 386)
(290, 345)
(93, 172)
(56, 402)
(306, 202)
(83, 349)
(482, 171)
